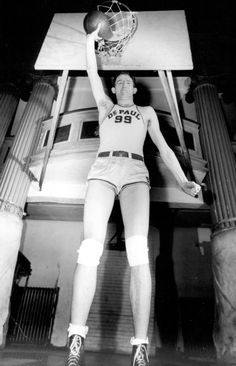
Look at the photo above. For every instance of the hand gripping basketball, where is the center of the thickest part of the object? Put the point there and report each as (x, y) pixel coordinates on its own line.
(91, 21)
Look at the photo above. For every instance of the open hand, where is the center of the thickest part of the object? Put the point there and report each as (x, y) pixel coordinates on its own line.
(191, 188)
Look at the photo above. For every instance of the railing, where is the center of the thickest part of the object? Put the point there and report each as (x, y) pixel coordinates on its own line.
(32, 315)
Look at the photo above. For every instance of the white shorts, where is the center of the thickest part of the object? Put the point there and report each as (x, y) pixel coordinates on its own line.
(119, 171)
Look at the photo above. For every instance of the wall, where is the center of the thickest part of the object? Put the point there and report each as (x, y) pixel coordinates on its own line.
(78, 95)
(192, 264)
(51, 248)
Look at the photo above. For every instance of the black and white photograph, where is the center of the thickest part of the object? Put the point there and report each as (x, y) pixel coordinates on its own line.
(117, 183)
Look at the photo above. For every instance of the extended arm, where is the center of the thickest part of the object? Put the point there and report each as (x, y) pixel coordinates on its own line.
(168, 156)
(102, 100)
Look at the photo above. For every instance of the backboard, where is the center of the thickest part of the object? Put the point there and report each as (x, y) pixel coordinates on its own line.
(160, 42)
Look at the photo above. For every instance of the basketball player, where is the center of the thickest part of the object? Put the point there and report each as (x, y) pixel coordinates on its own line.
(119, 169)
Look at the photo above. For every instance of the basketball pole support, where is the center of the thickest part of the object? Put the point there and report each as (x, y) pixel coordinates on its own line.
(167, 82)
(169, 89)
(54, 124)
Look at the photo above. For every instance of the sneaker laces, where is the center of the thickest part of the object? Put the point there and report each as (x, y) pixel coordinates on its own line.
(139, 357)
(76, 345)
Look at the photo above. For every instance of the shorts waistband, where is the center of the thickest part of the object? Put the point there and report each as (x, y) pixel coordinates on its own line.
(124, 154)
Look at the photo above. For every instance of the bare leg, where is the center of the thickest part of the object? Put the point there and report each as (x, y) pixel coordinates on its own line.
(98, 205)
(140, 296)
(83, 293)
(134, 201)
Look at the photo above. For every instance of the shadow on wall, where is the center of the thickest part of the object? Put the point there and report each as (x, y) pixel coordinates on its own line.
(166, 300)
(185, 323)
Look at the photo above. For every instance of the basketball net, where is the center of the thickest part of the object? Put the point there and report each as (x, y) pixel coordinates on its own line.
(123, 24)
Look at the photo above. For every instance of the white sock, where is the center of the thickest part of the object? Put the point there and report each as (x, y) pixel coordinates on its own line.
(81, 330)
(137, 341)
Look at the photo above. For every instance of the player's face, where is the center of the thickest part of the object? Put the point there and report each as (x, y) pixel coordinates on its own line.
(124, 86)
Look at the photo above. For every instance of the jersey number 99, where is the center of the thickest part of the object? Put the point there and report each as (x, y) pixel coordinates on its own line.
(125, 119)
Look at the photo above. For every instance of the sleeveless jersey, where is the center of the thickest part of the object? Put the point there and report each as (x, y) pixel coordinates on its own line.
(124, 129)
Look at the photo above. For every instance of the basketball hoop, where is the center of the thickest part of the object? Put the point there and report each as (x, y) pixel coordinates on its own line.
(123, 24)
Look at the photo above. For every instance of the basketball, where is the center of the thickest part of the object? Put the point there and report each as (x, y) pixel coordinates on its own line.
(91, 21)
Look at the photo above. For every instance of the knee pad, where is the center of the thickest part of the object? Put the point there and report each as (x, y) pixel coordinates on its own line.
(137, 250)
(90, 252)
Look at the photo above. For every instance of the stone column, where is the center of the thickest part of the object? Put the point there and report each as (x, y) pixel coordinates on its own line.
(9, 98)
(15, 180)
(218, 152)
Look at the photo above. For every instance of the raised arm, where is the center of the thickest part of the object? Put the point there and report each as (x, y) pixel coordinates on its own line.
(168, 156)
(102, 100)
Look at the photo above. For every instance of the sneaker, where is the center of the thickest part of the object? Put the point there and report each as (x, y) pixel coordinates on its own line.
(140, 355)
(76, 351)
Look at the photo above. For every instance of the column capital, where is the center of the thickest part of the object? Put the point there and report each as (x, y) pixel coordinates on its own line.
(23, 82)
(9, 87)
(199, 80)
(30, 79)
(43, 77)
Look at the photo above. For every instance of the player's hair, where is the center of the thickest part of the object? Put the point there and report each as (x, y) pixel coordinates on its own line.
(123, 73)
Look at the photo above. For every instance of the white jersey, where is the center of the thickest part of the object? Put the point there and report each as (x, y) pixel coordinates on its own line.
(124, 129)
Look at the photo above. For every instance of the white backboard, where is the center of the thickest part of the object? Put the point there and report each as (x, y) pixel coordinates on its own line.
(161, 42)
